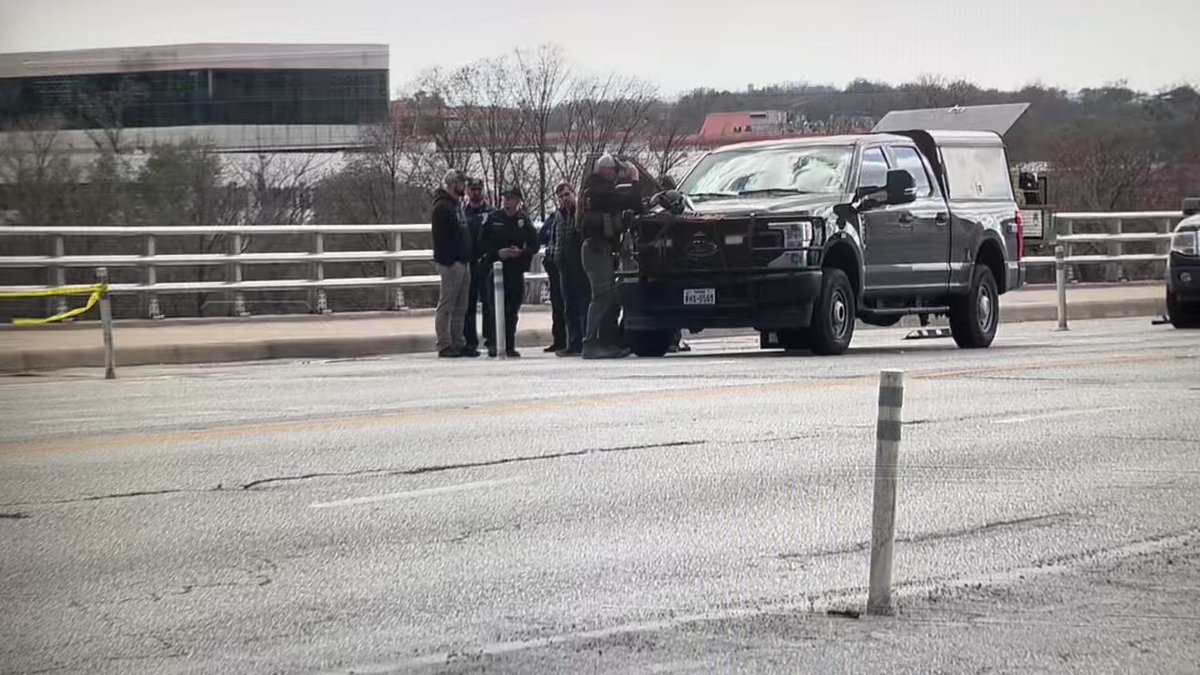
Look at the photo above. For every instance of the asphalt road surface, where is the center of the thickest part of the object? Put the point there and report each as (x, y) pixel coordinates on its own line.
(410, 513)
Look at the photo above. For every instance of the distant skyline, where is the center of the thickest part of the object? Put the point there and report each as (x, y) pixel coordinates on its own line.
(680, 45)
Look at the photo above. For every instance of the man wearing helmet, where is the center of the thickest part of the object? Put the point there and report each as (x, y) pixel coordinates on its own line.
(610, 189)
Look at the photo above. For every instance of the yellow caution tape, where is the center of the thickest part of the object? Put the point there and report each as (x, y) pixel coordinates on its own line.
(97, 292)
(55, 292)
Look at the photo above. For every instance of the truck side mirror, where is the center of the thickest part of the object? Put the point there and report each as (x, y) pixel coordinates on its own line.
(1191, 206)
(901, 187)
(845, 214)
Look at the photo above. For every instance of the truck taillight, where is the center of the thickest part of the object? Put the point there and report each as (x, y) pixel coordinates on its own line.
(1020, 237)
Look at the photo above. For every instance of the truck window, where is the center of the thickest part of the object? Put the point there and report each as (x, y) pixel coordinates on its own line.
(977, 173)
(874, 169)
(909, 159)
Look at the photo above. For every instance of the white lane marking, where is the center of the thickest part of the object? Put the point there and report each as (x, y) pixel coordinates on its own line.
(1057, 414)
(445, 489)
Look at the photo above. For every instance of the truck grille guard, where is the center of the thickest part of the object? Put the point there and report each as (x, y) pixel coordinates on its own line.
(666, 246)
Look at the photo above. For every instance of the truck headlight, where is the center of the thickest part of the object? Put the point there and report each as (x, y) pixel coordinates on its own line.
(1186, 242)
(795, 235)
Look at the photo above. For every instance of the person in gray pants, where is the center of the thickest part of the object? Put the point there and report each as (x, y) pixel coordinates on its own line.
(452, 256)
(608, 192)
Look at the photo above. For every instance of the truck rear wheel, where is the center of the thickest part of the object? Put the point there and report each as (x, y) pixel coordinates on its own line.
(973, 319)
(832, 325)
(649, 343)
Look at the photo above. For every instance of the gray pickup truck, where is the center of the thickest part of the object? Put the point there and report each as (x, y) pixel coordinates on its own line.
(796, 238)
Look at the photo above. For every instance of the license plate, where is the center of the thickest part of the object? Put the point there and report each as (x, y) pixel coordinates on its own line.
(699, 296)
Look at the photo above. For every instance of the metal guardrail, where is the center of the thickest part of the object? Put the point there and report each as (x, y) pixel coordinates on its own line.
(234, 259)
(1064, 262)
(1115, 240)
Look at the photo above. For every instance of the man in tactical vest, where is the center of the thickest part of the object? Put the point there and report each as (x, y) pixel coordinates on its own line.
(608, 192)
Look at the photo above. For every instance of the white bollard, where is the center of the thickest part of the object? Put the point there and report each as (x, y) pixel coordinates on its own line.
(110, 358)
(1060, 283)
(883, 521)
(498, 304)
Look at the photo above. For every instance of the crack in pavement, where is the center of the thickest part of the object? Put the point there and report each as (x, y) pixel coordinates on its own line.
(417, 471)
(1038, 521)
(118, 495)
(439, 468)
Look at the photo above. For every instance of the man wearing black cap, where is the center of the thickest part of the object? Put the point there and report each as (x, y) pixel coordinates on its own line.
(509, 237)
(477, 211)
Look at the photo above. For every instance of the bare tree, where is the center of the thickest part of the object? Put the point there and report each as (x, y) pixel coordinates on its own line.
(187, 184)
(935, 91)
(107, 111)
(666, 147)
(40, 180)
(427, 113)
(486, 96)
(1104, 167)
(601, 115)
(278, 187)
(542, 77)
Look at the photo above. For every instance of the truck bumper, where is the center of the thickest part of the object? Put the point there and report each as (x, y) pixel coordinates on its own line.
(761, 302)
(1016, 276)
(1183, 278)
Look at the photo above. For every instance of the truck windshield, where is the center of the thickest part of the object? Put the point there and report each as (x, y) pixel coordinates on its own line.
(800, 170)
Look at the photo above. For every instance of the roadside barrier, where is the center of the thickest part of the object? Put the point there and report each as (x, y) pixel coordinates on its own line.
(499, 323)
(883, 521)
(97, 295)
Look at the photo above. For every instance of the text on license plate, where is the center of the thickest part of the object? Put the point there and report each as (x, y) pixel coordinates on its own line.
(699, 296)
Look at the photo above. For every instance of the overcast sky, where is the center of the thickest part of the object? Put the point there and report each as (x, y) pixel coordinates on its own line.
(680, 44)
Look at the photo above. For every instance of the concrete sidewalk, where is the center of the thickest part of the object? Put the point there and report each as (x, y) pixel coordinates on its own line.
(347, 336)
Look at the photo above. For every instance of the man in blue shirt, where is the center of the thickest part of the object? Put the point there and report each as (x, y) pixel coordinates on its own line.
(476, 209)
(550, 230)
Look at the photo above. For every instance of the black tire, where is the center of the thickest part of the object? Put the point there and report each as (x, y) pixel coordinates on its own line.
(832, 324)
(974, 318)
(1180, 315)
(649, 343)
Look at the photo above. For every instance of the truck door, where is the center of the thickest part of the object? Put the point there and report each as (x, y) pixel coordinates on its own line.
(928, 219)
(885, 238)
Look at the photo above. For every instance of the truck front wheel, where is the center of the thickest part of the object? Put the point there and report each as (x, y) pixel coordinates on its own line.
(1181, 315)
(832, 324)
(973, 318)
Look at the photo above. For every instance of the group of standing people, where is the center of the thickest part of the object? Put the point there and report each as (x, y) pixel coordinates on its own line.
(579, 238)
(468, 237)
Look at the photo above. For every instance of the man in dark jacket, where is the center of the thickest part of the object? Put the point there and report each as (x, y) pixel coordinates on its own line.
(476, 210)
(558, 328)
(452, 256)
(609, 191)
(510, 238)
(576, 292)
